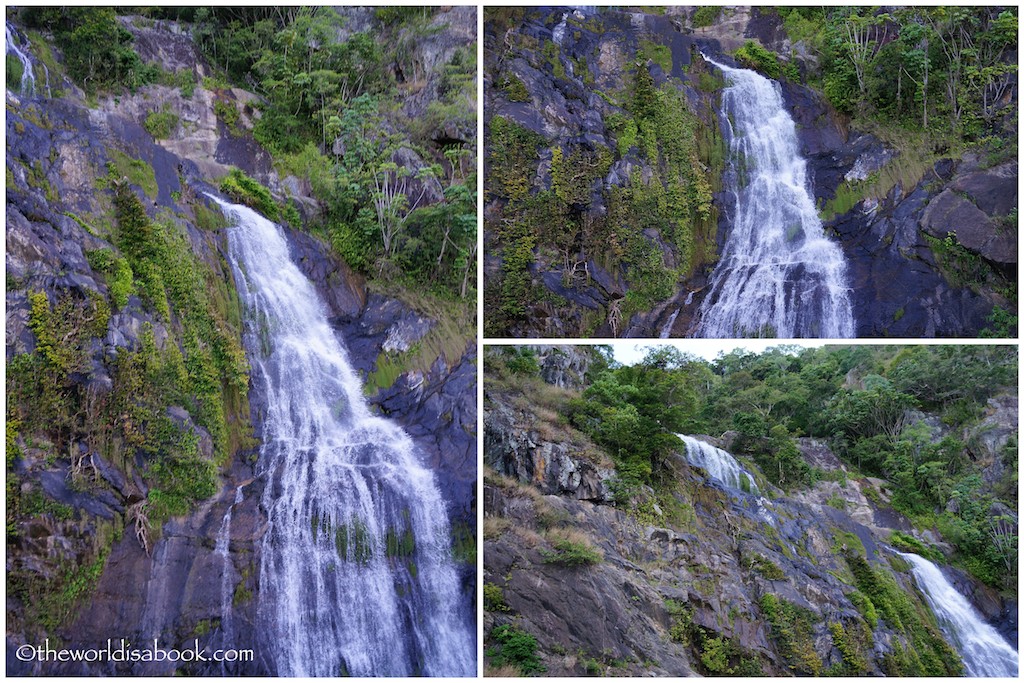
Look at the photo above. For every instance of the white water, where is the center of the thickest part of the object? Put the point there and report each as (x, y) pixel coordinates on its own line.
(340, 483)
(983, 650)
(666, 329)
(719, 465)
(28, 78)
(778, 276)
(558, 33)
(227, 590)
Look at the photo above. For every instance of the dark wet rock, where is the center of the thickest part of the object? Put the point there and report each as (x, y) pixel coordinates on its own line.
(950, 213)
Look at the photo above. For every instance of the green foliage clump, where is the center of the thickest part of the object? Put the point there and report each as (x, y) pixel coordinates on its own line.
(706, 15)
(136, 171)
(118, 273)
(636, 412)
(494, 598)
(927, 653)
(514, 647)
(659, 54)
(855, 642)
(792, 631)
(755, 56)
(515, 89)
(97, 49)
(161, 124)
(522, 361)
(15, 71)
(865, 607)
(571, 553)
(245, 190)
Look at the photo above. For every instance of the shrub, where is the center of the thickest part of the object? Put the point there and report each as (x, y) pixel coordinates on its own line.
(515, 89)
(245, 190)
(754, 56)
(517, 648)
(706, 15)
(161, 124)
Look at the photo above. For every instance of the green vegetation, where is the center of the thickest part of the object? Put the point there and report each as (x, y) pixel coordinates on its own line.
(161, 124)
(494, 598)
(244, 190)
(514, 647)
(515, 89)
(98, 52)
(571, 549)
(135, 171)
(706, 15)
(558, 227)
(755, 56)
(939, 69)
(925, 652)
(792, 631)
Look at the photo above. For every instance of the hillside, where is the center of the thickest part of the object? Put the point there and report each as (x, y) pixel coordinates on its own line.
(622, 180)
(621, 539)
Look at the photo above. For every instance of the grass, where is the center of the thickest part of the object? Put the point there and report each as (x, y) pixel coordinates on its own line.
(453, 332)
(138, 172)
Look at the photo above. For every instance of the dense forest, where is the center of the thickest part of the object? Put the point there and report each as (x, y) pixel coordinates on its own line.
(607, 158)
(928, 433)
(342, 115)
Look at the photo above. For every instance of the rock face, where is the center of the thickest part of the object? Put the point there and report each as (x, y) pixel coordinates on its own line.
(82, 537)
(689, 583)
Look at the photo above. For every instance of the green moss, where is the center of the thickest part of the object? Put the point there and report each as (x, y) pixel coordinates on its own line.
(515, 89)
(792, 629)
(659, 54)
(161, 124)
(924, 651)
(136, 171)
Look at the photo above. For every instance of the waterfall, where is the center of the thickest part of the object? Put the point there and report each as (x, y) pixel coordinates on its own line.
(778, 276)
(984, 651)
(666, 329)
(28, 78)
(355, 574)
(558, 33)
(719, 465)
(227, 590)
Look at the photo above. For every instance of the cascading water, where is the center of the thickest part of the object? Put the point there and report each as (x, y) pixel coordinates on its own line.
(27, 85)
(984, 651)
(724, 469)
(778, 276)
(719, 465)
(356, 575)
(666, 329)
(227, 591)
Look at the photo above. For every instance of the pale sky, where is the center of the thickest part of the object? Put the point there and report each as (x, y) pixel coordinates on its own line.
(630, 352)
